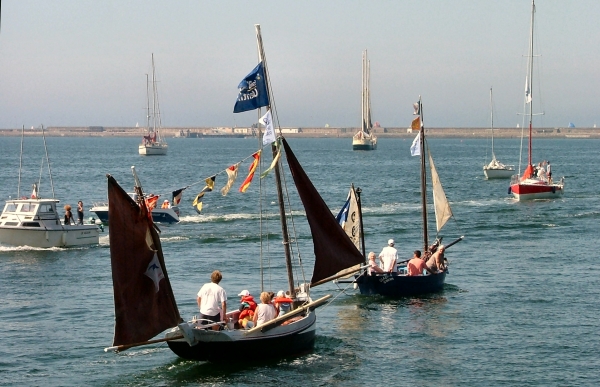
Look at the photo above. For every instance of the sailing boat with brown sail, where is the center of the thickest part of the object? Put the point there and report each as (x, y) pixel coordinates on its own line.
(291, 333)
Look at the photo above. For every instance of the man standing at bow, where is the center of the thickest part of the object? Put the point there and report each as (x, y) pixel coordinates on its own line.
(389, 257)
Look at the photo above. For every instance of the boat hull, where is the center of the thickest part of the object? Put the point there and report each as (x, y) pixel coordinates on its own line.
(393, 285)
(229, 346)
(153, 150)
(533, 189)
(159, 215)
(498, 173)
(36, 237)
(364, 144)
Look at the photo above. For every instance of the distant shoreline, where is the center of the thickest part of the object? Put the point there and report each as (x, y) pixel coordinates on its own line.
(324, 132)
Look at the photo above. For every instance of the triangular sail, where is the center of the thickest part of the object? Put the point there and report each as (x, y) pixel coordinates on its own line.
(440, 202)
(334, 251)
(144, 301)
(349, 219)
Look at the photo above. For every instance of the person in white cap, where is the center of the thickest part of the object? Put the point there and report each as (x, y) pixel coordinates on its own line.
(389, 257)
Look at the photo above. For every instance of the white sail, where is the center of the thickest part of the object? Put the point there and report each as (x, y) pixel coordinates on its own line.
(352, 223)
(440, 202)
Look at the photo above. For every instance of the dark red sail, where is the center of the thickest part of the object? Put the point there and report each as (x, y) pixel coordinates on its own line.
(334, 251)
(144, 301)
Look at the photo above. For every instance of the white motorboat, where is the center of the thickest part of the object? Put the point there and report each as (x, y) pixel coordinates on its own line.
(36, 223)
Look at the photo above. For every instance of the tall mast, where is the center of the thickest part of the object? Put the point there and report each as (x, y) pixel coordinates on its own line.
(423, 179)
(368, 102)
(363, 92)
(492, 122)
(280, 199)
(530, 80)
(147, 104)
(153, 96)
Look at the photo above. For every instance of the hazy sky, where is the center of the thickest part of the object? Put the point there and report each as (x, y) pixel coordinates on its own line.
(83, 63)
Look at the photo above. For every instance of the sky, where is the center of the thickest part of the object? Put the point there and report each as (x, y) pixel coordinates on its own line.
(84, 62)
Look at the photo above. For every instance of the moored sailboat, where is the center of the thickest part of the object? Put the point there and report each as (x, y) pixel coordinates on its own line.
(400, 284)
(365, 139)
(533, 183)
(495, 169)
(153, 142)
(291, 333)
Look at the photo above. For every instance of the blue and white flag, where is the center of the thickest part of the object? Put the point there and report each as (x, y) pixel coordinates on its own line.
(415, 148)
(267, 121)
(252, 91)
(342, 217)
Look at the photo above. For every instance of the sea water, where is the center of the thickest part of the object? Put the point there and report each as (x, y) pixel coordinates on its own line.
(520, 305)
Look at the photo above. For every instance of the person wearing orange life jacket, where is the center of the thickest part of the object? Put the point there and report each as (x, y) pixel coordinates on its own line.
(247, 308)
(166, 204)
(282, 303)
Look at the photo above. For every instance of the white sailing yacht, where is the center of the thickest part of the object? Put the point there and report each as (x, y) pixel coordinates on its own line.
(152, 142)
(365, 139)
(495, 169)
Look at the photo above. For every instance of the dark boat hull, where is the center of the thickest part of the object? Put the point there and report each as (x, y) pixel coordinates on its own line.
(278, 342)
(400, 285)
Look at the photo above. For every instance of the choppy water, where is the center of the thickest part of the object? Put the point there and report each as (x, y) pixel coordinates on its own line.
(520, 306)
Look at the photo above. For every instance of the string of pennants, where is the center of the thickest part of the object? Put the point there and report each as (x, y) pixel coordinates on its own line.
(232, 174)
(252, 94)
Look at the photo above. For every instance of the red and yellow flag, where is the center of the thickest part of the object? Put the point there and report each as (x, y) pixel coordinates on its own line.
(416, 124)
(252, 168)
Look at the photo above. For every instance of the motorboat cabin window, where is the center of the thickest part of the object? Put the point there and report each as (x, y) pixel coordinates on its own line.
(10, 207)
(28, 207)
(30, 224)
(46, 208)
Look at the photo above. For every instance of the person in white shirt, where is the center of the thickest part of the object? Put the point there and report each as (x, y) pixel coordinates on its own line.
(373, 268)
(212, 300)
(389, 257)
(265, 311)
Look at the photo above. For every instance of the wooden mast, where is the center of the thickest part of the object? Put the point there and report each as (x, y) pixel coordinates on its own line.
(280, 199)
(423, 179)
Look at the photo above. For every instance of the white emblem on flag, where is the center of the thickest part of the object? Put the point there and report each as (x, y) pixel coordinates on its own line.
(154, 271)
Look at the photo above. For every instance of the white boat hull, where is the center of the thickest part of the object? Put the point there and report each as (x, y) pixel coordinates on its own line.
(153, 149)
(37, 237)
(364, 143)
(492, 173)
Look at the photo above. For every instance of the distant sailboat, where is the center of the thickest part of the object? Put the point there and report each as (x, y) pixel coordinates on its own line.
(153, 143)
(533, 184)
(495, 169)
(365, 139)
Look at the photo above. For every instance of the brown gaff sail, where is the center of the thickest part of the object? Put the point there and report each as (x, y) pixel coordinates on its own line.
(144, 301)
(334, 251)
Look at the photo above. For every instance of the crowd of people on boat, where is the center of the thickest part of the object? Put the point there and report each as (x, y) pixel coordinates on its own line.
(212, 302)
(431, 262)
